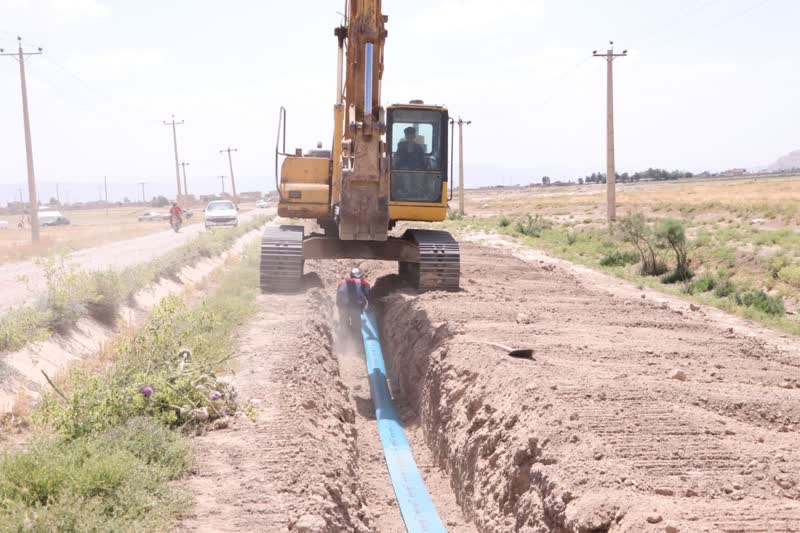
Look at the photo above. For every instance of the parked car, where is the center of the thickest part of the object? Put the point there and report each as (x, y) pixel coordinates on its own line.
(262, 204)
(221, 213)
(187, 213)
(153, 216)
(52, 218)
(3, 224)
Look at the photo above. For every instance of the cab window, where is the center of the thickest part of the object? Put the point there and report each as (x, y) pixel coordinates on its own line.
(415, 141)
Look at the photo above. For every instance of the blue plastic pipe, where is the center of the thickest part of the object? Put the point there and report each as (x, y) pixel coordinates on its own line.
(416, 506)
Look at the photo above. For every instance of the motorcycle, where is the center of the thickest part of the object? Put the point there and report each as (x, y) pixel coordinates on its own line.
(176, 223)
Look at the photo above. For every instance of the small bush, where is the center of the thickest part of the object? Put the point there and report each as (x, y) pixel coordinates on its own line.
(69, 290)
(504, 222)
(635, 230)
(790, 275)
(778, 263)
(454, 215)
(110, 293)
(705, 283)
(572, 238)
(724, 288)
(112, 481)
(533, 226)
(619, 259)
(760, 300)
(22, 326)
(672, 233)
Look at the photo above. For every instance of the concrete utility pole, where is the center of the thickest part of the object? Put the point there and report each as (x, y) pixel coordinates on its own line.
(34, 207)
(105, 186)
(230, 165)
(452, 153)
(184, 164)
(611, 171)
(144, 199)
(222, 179)
(461, 163)
(175, 144)
(58, 195)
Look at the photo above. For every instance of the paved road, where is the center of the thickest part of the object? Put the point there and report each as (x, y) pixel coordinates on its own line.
(21, 282)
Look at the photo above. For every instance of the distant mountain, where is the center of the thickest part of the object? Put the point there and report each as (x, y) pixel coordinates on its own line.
(787, 162)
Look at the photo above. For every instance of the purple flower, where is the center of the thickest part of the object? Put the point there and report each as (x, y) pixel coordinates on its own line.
(215, 395)
(146, 390)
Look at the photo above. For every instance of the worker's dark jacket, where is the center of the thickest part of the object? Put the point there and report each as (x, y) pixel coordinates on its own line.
(352, 292)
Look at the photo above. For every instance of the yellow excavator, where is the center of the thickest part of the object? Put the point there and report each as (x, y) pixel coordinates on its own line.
(385, 166)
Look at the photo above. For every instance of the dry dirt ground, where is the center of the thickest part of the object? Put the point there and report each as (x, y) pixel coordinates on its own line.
(633, 415)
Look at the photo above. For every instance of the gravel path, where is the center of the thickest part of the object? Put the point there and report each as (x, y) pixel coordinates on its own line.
(22, 281)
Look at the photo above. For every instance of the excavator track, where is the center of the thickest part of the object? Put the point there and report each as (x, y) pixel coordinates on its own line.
(439, 267)
(281, 258)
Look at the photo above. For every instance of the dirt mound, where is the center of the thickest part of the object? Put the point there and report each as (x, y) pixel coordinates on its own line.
(630, 417)
(294, 465)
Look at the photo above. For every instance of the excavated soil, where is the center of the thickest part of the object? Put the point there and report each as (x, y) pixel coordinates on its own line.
(632, 416)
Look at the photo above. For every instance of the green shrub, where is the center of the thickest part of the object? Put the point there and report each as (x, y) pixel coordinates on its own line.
(619, 259)
(724, 288)
(635, 230)
(69, 290)
(572, 238)
(705, 283)
(672, 233)
(107, 482)
(110, 292)
(778, 263)
(22, 326)
(533, 226)
(760, 300)
(790, 275)
(454, 215)
(504, 222)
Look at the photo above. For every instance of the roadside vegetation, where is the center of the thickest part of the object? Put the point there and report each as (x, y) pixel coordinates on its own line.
(114, 430)
(73, 293)
(738, 249)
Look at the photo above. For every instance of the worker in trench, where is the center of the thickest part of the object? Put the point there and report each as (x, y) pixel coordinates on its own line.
(352, 298)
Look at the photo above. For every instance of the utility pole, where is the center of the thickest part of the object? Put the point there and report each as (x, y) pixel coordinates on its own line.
(58, 195)
(461, 123)
(34, 207)
(144, 199)
(611, 172)
(185, 188)
(222, 179)
(230, 165)
(452, 153)
(175, 145)
(21, 201)
(105, 186)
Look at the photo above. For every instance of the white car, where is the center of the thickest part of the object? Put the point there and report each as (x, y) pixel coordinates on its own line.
(221, 213)
(262, 204)
(3, 224)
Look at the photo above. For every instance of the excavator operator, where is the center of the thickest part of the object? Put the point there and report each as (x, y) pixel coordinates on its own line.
(352, 297)
(410, 154)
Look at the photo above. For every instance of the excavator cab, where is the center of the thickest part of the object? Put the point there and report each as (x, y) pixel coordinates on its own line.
(416, 145)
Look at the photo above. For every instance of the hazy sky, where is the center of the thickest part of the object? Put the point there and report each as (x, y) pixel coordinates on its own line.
(708, 84)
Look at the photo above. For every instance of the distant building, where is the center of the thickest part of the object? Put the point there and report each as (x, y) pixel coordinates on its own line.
(735, 172)
(250, 196)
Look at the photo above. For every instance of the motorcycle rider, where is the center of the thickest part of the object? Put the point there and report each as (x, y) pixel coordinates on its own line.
(175, 215)
(352, 298)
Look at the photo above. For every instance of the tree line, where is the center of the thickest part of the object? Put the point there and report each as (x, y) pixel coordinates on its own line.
(651, 174)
